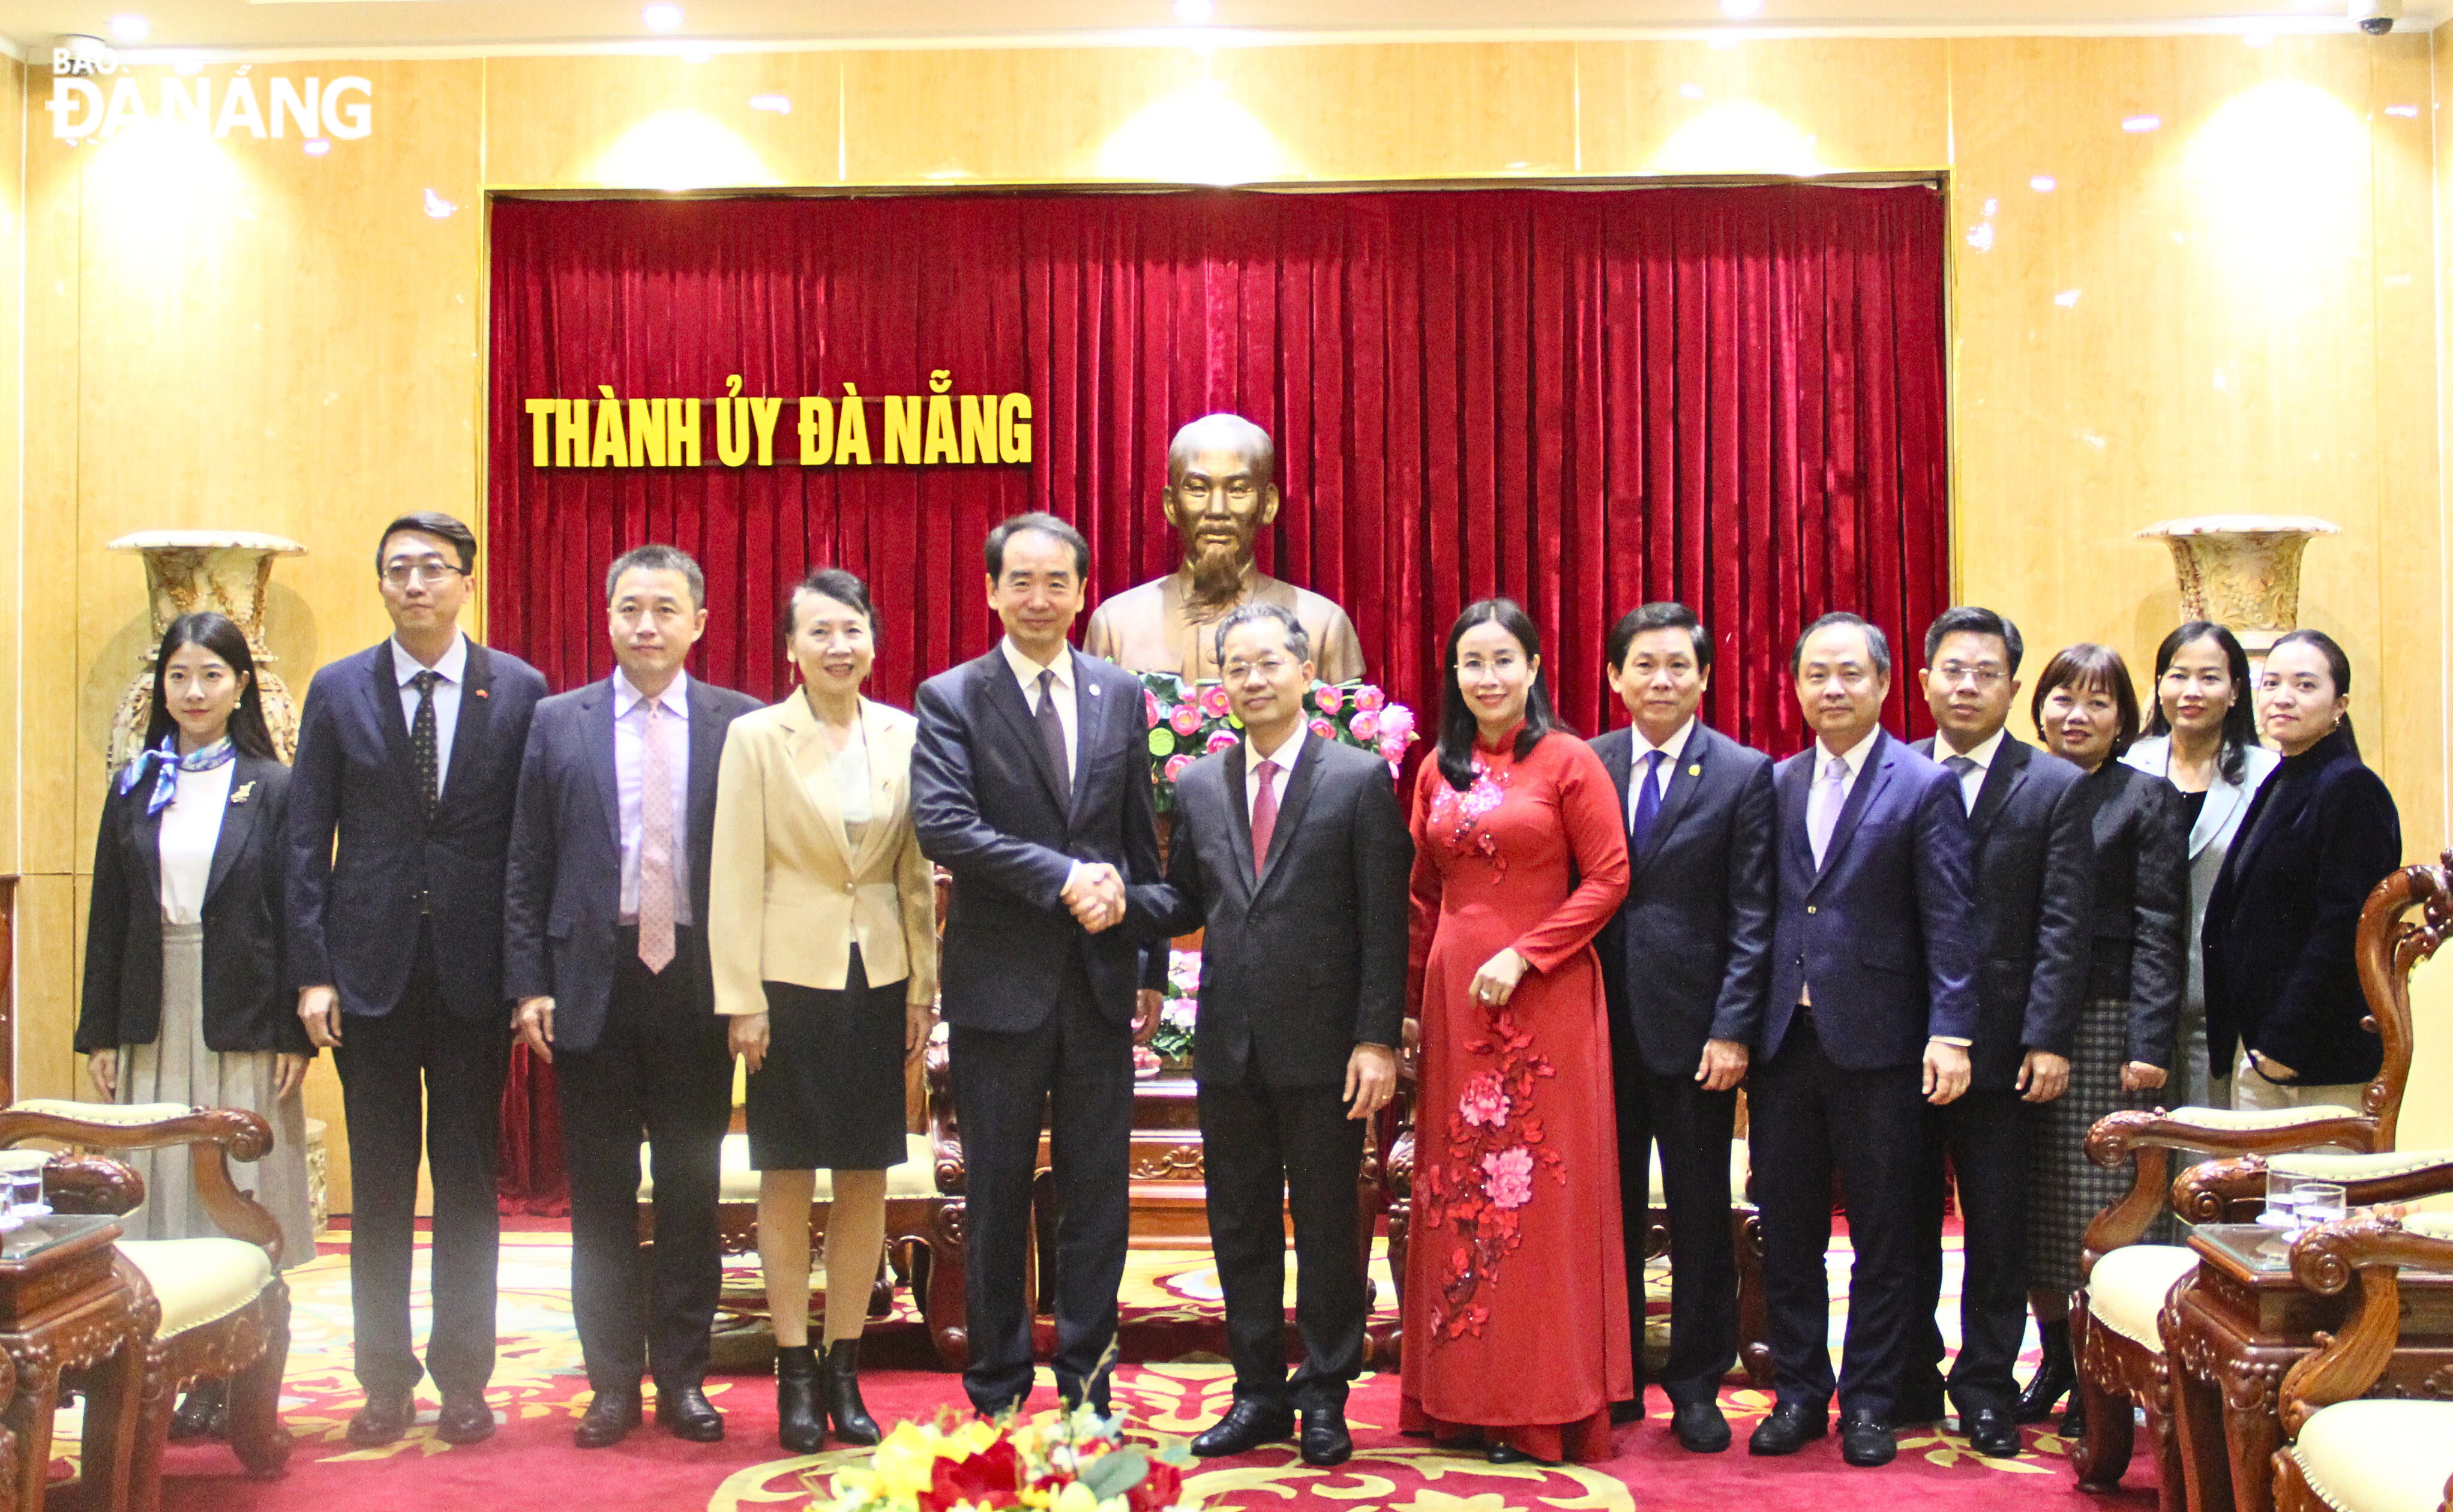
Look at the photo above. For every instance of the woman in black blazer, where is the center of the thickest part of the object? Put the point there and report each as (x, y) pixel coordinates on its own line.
(2086, 711)
(2283, 985)
(183, 1000)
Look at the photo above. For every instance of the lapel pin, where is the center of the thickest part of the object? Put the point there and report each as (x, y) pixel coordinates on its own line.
(1094, 690)
(1695, 770)
(245, 792)
(479, 691)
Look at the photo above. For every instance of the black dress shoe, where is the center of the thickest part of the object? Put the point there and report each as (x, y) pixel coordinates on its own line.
(203, 1412)
(383, 1420)
(1865, 1439)
(1325, 1438)
(1699, 1427)
(1247, 1424)
(1790, 1427)
(608, 1420)
(1991, 1433)
(465, 1418)
(683, 1411)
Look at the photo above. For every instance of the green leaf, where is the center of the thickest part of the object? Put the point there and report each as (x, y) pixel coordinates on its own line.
(1114, 1474)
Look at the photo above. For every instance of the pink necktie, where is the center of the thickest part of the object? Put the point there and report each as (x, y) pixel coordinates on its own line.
(1265, 815)
(656, 847)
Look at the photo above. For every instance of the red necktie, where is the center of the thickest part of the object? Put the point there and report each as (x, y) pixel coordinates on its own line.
(1265, 815)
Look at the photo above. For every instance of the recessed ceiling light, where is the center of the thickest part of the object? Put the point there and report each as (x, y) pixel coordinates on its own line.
(1742, 10)
(779, 103)
(1195, 13)
(130, 28)
(2043, 183)
(316, 145)
(662, 17)
(2140, 123)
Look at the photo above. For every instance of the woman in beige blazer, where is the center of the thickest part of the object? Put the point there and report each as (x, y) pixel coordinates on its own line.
(823, 933)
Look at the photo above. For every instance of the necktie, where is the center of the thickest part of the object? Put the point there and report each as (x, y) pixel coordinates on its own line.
(655, 845)
(1052, 731)
(1822, 807)
(1265, 815)
(1648, 801)
(1959, 766)
(421, 741)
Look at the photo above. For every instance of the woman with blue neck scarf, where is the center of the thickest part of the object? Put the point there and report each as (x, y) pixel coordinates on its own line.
(183, 999)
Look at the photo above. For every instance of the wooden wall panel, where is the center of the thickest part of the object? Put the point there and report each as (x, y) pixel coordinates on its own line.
(661, 122)
(1029, 115)
(1832, 105)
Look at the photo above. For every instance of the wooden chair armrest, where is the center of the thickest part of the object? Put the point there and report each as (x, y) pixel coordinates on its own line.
(945, 1130)
(2366, 1251)
(213, 1135)
(2148, 1138)
(85, 1182)
(2209, 1192)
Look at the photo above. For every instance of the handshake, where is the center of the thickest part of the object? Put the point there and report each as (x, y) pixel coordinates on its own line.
(1095, 892)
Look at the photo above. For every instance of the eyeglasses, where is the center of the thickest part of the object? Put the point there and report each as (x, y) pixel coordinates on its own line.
(1954, 673)
(432, 572)
(1269, 667)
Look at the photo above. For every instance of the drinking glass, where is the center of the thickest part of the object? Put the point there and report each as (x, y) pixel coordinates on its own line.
(2281, 1201)
(2318, 1202)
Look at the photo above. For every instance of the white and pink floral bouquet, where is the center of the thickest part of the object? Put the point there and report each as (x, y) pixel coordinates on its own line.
(1189, 720)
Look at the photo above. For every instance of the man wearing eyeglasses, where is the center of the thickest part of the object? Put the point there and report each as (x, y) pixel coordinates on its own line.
(2034, 859)
(400, 819)
(1222, 492)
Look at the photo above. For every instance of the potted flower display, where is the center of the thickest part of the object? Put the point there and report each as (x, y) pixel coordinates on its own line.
(1189, 720)
(1053, 1463)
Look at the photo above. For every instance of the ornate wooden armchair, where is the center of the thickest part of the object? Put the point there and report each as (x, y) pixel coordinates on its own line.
(2345, 1455)
(225, 1310)
(2118, 1321)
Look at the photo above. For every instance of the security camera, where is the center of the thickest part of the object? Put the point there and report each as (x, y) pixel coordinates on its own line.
(2376, 17)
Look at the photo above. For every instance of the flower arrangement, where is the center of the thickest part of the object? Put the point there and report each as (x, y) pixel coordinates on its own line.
(1173, 1041)
(1191, 719)
(1053, 1463)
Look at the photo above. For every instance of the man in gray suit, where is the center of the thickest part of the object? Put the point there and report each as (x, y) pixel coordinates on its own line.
(605, 950)
(1290, 855)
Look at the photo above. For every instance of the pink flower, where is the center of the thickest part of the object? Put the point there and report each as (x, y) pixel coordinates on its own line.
(1364, 725)
(1328, 699)
(1175, 766)
(1223, 740)
(1213, 700)
(1484, 1102)
(1147, 1064)
(1323, 729)
(1397, 724)
(1153, 710)
(1508, 1176)
(1186, 719)
(1367, 697)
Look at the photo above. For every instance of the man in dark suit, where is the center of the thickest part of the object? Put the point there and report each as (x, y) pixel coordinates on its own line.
(1687, 963)
(1291, 857)
(400, 813)
(2034, 867)
(1030, 784)
(1873, 1005)
(606, 953)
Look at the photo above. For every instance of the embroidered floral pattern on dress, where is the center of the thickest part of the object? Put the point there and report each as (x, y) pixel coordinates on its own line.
(1463, 812)
(1471, 1200)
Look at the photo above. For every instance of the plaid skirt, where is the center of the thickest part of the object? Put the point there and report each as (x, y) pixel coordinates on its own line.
(2066, 1189)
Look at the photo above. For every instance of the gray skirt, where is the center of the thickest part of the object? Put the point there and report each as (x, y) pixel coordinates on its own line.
(178, 1067)
(2066, 1189)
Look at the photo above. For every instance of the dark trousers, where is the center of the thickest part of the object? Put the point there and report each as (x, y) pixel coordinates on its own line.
(386, 1062)
(662, 1066)
(1081, 1064)
(1694, 1128)
(1811, 1118)
(1985, 1134)
(1271, 1152)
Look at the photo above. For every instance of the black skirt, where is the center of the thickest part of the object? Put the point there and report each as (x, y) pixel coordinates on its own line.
(829, 1096)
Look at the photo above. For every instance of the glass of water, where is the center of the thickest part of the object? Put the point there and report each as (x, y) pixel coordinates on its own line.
(2281, 1201)
(2318, 1202)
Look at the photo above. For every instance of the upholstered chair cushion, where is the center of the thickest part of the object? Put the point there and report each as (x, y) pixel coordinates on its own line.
(2335, 1165)
(117, 1115)
(915, 1176)
(2242, 1120)
(2379, 1456)
(198, 1280)
(1738, 1167)
(2125, 1292)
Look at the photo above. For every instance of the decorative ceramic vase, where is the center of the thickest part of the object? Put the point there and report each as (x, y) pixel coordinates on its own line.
(187, 572)
(2241, 571)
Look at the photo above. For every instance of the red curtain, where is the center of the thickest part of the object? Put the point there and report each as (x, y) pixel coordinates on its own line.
(1582, 399)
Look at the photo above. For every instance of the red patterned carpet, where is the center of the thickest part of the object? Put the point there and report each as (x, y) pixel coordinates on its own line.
(530, 1466)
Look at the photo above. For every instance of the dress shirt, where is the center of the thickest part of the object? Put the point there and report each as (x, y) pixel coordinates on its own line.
(1639, 748)
(1026, 672)
(1854, 757)
(454, 671)
(1972, 781)
(1286, 756)
(629, 782)
(190, 827)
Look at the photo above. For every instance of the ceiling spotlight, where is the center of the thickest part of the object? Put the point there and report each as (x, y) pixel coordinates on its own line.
(2140, 123)
(316, 145)
(662, 17)
(1742, 10)
(779, 103)
(130, 30)
(1195, 13)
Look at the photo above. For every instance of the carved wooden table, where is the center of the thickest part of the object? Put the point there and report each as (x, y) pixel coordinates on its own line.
(2239, 1321)
(66, 1303)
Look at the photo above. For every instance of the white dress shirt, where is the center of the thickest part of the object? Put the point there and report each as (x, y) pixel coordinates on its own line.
(629, 783)
(1286, 756)
(452, 670)
(1639, 748)
(1025, 671)
(190, 827)
(1972, 781)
